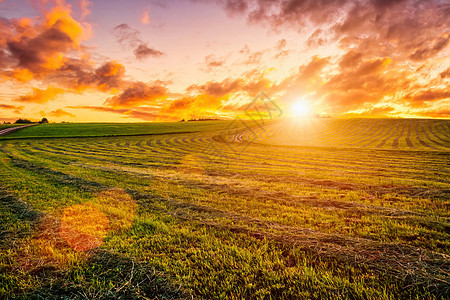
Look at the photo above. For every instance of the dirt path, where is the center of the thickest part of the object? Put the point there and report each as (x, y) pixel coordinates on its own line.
(13, 129)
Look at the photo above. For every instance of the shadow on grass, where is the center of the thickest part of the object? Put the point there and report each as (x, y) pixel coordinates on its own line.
(17, 218)
(105, 275)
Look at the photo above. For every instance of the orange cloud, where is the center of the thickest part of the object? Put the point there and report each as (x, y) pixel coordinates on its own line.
(445, 74)
(41, 96)
(199, 106)
(139, 93)
(145, 18)
(109, 75)
(141, 113)
(218, 89)
(439, 113)
(36, 50)
(212, 61)
(79, 75)
(22, 75)
(8, 106)
(16, 109)
(100, 108)
(61, 113)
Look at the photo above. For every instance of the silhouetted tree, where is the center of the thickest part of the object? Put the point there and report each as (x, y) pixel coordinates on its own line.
(23, 121)
(44, 121)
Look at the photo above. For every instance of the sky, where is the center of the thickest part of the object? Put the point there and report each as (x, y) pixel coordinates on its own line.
(154, 60)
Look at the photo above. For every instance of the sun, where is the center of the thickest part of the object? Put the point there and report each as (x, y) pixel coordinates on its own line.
(300, 109)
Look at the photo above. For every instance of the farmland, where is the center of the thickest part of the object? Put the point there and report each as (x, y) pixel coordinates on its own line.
(318, 209)
(5, 126)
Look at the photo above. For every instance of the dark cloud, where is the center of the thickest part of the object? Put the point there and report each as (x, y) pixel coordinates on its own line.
(138, 93)
(131, 38)
(110, 75)
(383, 4)
(182, 103)
(218, 89)
(100, 108)
(212, 61)
(380, 28)
(254, 58)
(351, 59)
(318, 38)
(252, 85)
(33, 54)
(281, 44)
(443, 113)
(313, 68)
(294, 12)
(280, 49)
(143, 52)
(39, 49)
(3, 59)
(142, 115)
(234, 7)
(127, 36)
(430, 95)
(12, 107)
(366, 82)
(424, 53)
(445, 74)
(79, 75)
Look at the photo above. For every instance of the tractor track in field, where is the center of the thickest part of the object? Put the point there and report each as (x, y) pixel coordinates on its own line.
(417, 134)
(386, 137)
(304, 164)
(263, 196)
(395, 142)
(312, 164)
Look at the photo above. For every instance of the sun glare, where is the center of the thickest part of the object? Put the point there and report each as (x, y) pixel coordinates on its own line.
(300, 109)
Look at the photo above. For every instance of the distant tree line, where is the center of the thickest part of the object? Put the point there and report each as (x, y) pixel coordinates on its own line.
(321, 116)
(201, 119)
(26, 121)
(23, 121)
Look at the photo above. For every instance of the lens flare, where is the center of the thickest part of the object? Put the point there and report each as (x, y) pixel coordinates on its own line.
(83, 227)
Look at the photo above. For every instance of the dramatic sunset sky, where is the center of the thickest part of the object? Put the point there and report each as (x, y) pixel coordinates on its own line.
(144, 60)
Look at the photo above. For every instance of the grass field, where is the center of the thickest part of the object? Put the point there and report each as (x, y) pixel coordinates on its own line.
(325, 209)
(4, 126)
(61, 130)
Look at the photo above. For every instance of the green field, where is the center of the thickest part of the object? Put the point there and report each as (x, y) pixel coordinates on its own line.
(61, 130)
(4, 126)
(324, 209)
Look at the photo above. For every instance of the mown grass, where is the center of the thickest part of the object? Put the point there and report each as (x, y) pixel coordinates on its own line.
(162, 216)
